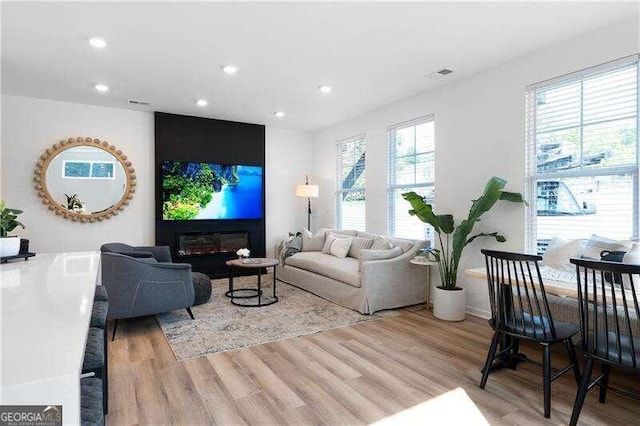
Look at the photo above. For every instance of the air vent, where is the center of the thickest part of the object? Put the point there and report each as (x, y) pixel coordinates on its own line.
(138, 102)
(445, 71)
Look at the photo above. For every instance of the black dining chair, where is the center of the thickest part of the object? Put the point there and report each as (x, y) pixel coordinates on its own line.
(610, 329)
(520, 310)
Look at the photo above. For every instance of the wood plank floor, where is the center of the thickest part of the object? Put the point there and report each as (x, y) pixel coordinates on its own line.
(352, 375)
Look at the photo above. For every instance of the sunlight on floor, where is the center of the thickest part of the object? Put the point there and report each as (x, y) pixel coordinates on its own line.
(451, 408)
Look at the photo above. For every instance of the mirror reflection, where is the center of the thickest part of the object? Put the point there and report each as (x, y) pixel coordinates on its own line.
(86, 179)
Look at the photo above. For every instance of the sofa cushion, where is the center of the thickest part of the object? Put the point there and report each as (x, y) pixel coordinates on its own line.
(405, 245)
(366, 255)
(344, 269)
(312, 242)
(357, 244)
(381, 243)
(340, 247)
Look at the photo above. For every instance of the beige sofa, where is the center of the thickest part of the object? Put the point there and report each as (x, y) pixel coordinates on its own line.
(366, 286)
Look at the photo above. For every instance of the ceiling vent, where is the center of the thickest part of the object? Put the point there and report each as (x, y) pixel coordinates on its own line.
(440, 73)
(138, 102)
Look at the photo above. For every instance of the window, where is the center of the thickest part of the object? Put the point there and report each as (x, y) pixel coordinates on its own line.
(88, 169)
(351, 178)
(411, 168)
(582, 155)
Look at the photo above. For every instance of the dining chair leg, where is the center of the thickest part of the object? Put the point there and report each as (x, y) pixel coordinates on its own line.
(546, 379)
(573, 358)
(489, 361)
(515, 349)
(115, 327)
(604, 383)
(582, 392)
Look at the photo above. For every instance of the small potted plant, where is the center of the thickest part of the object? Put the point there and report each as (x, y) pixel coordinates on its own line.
(449, 300)
(243, 253)
(9, 245)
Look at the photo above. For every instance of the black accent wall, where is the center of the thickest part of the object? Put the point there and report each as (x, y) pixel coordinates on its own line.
(186, 138)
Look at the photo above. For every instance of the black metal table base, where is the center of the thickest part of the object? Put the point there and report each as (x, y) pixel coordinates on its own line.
(255, 293)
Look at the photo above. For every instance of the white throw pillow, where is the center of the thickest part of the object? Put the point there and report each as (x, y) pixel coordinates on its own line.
(357, 244)
(340, 247)
(596, 244)
(559, 251)
(312, 242)
(379, 254)
(326, 249)
(381, 243)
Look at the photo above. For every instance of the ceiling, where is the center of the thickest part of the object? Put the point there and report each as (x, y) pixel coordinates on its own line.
(370, 53)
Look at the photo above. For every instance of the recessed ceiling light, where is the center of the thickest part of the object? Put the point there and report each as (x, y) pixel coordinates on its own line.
(230, 69)
(101, 87)
(325, 89)
(279, 114)
(98, 42)
(202, 102)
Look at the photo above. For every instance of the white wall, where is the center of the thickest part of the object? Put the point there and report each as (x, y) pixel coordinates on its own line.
(288, 160)
(480, 132)
(29, 126)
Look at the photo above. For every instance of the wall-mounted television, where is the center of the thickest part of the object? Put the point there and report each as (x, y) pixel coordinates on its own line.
(210, 191)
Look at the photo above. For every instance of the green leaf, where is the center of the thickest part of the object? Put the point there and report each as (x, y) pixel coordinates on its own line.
(422, 210)
(446, 223)
(514, 197)
(499, 238)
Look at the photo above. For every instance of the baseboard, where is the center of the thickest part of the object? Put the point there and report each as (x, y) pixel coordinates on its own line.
(478, 312)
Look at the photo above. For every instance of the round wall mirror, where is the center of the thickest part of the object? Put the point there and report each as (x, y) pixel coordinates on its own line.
(84, 179)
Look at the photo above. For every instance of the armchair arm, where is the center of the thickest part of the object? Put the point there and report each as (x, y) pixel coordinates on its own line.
(160, 253)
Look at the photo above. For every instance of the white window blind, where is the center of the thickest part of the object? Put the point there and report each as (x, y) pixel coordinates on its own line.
(351, 179)
(582, 155)
(410, 154)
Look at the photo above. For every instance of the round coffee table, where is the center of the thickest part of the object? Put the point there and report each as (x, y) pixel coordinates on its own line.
(251, 293)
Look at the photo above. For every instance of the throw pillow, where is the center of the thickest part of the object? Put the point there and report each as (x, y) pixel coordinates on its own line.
(331, 237)
(357, 244)
(596, 244)
(381, 243)
(312, 242)
(340, 247)
(379, 254)
(327, 243)
(559, 251)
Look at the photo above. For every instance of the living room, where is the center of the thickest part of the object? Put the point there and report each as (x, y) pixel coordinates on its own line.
(309, 79)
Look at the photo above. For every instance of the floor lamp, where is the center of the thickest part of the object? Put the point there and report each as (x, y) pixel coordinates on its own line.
(308, 191)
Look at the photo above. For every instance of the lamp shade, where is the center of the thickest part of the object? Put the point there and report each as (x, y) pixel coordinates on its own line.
(307, 191)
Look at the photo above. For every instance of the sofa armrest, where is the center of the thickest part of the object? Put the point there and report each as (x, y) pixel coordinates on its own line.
(394, 278)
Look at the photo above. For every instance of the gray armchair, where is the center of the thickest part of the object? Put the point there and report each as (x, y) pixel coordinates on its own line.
(159, 253)
(139, 286)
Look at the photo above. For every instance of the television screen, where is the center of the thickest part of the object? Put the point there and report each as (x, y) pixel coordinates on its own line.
(210, 191)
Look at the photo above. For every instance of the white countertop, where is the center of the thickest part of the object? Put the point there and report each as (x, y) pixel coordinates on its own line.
(45, 309)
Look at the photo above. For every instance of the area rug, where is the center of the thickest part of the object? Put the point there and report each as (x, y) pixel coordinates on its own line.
(220, 326)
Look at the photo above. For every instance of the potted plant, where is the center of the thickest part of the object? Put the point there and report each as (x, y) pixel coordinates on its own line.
(449, 299)
(9, 246)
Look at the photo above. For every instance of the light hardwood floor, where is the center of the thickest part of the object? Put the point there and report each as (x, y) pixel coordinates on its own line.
(352, 375)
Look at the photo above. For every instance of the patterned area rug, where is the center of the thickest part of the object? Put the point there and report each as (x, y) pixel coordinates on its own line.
(220, 326)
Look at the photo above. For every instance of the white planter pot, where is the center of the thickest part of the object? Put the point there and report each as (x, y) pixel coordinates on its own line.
(449, 305)
(9, 246)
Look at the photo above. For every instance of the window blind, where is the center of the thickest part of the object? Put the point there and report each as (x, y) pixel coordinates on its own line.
(583, 156)
(411, 156)
(351, 180)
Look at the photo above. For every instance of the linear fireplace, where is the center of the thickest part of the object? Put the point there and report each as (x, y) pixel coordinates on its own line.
(211, 243)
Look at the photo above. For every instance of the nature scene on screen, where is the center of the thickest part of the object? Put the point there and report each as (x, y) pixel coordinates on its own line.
(210, 191)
